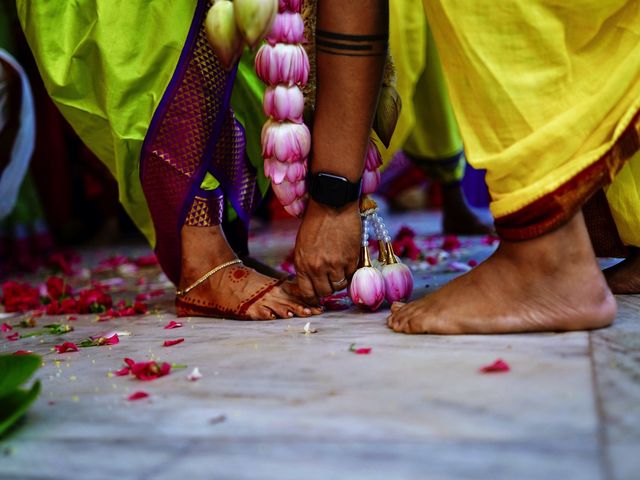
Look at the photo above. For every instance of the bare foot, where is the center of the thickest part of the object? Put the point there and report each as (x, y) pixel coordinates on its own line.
(235, 292)
(551, 283)
(264, 269)
(624, 277)
(457, 217)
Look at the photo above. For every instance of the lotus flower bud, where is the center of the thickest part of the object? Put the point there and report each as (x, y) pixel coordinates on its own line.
(255, 18)
(296, 209)
(398, 282)
(223, 34)
(291, 5)
(367, 288)
(284, 103)
(373, 159)
(278, 171)
(367, 285)
(287, 28)
(282, 63)
(370, 181)
(387, 114)
(286, 141)
(287, 192)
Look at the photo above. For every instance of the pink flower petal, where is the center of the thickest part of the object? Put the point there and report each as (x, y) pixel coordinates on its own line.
(66, 347)
(137, 395)
(170, 343)
(359, 351)
(6, 327)
(172, 324)
(122, 372)
(496, 367)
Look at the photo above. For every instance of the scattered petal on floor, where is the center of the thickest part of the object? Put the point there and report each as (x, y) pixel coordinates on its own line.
(172, 324)
(66, 347)
(170, 343)
(194, 375)
(496, 367)
(359, 351)
(138, 395)
(308, 330)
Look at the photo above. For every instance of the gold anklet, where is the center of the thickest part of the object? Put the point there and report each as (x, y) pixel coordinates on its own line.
(181, 293)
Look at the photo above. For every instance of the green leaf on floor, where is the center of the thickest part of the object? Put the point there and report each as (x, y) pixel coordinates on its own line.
(15, 370)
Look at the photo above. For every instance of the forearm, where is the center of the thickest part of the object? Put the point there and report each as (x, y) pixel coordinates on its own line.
(351, 41)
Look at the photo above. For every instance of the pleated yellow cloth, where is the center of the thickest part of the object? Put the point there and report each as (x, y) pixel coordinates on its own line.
(427, 127)
(542, 89)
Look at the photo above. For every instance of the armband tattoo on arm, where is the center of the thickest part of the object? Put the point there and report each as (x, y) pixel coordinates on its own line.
(334, 43)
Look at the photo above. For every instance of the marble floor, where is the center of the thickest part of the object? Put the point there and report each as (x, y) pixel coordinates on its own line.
(274, 403)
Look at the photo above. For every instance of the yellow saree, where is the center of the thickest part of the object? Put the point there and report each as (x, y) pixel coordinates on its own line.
(547, 96)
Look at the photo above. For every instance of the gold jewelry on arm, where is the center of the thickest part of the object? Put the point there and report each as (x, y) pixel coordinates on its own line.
(181, 293)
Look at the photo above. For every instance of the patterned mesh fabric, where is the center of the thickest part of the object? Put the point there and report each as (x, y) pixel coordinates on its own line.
(192, 131)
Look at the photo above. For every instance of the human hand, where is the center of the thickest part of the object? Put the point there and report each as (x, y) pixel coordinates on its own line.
(327, 249)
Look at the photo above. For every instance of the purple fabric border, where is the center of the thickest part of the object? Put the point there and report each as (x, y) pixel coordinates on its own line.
(208, 153)
(174, 83)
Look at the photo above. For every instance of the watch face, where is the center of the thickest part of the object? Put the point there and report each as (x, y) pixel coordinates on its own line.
(330, 189)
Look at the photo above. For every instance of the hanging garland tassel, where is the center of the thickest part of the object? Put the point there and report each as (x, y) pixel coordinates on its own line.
(392, 280)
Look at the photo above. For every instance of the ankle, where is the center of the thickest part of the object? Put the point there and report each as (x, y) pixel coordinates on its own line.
(203, 248)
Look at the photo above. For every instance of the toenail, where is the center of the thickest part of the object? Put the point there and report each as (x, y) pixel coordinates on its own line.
(290, 314)
(307, 311)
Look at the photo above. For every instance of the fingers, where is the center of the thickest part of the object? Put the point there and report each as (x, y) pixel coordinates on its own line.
(322, 285)
(306, 289)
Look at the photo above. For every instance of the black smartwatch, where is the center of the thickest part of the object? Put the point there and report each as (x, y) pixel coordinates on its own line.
(333, 190)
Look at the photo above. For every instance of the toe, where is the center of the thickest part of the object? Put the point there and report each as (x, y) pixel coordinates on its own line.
(395, 306)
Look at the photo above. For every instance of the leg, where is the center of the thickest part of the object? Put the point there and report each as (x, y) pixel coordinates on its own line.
(624, 278)
(228, 290)
(550, 283)
(457, 217)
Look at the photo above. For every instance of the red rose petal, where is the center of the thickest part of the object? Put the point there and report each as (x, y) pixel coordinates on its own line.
(362, 351)
(170, 343)
(137, 395)
(122, 372)
(13, 337)
(6, 327)
(22, 352)
(66, 347)
(496, 367)
(172, 324)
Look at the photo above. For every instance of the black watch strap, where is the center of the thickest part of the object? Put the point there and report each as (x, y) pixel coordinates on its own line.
(333, 190)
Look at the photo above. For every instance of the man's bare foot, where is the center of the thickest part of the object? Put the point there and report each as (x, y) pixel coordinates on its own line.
(624, 277)
(457, 217)
(234, 292)
(551, 283)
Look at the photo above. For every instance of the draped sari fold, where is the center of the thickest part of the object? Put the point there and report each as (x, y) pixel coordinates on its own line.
(547, 96)
(142, 88)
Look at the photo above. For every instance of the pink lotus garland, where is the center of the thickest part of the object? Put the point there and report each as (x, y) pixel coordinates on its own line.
(283, 65)
(290, 5)
(371, 174)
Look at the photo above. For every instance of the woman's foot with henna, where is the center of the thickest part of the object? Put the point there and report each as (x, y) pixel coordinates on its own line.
(624, 277)
(548, 284)
(235, 291)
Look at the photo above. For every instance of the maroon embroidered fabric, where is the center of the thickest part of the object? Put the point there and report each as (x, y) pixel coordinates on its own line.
(193, 131)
